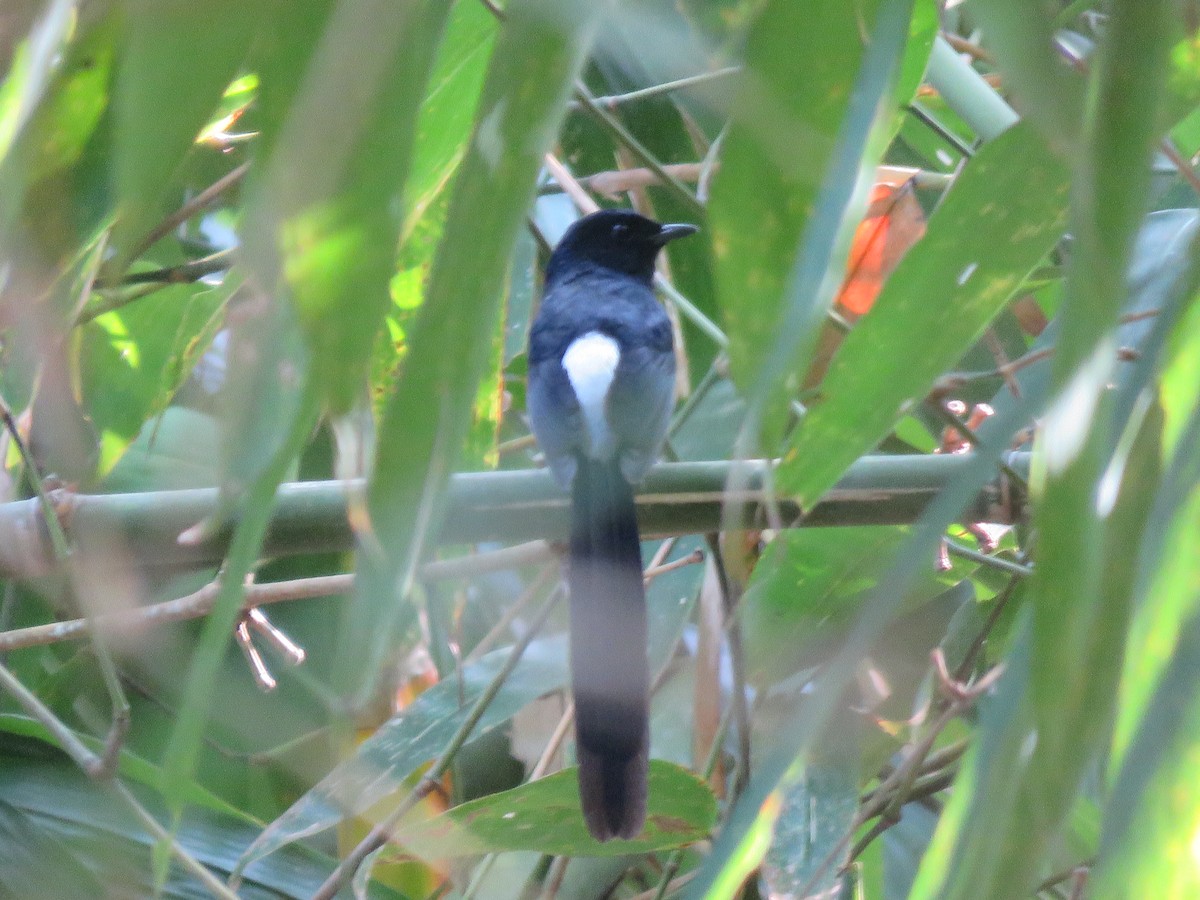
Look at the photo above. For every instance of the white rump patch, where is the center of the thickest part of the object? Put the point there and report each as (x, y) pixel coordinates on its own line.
(591, 363)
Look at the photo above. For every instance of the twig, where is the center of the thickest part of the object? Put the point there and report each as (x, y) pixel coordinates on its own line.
(1002, 360)
(964, 46)
(198, 203)
(891, 795)
(193, 270)
(984, 559)
(644, 156)
(554, 878)
(527, 554)
(968, 433)
(614, 100)
(544, 577)
(1181, 165)
(380, 834)
(191, 606)
(88, 761)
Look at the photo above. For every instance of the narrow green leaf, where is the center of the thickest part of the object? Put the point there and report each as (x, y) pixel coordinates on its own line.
(254, 505)
(790, 106)
(543, 816)
(1003, 214)
(1153, 815)
(536, 59)
(160, 104)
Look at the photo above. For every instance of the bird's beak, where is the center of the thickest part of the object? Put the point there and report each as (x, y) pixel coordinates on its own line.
(668, 233)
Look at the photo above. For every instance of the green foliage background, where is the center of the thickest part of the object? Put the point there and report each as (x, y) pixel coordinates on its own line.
(364, 201)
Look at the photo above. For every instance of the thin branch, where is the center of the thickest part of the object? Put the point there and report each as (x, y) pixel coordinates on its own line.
(192, 606)
(964, 46)
(984, 559)
(88, 761)
(118, 702)
(614, 100)
(200, 202)
(187, 272)
(644, 156)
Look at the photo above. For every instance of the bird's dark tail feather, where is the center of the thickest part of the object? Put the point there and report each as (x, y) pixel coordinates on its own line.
(609, 669)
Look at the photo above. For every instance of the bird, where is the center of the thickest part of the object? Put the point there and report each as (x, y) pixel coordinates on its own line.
(599, 397)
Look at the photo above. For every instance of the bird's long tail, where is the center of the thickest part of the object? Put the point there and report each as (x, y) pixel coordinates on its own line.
(609, 669)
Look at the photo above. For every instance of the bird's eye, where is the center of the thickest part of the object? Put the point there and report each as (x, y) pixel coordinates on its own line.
(620, 229)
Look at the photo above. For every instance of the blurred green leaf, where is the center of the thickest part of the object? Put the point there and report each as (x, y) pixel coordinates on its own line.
(1003, 213)
(129, 764)
(791, 103)
(53, 810)
(807, 590)
(1150, 823)
(544, 816)
(333, 186)
(160, 106)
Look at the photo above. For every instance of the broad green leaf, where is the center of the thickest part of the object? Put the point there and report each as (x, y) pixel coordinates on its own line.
(536, 59)
(51, 807)
(129, 764)
(544, 816)
(1002, 215)
(162, 103)
(806, 851)
(790, 105)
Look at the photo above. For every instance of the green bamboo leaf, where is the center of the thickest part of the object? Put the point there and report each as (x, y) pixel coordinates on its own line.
(543, 816)
(1150, 822)
(536, 59)
(1003, 214)
(1092, 508)
(129, 764)
(161, 105)
(790, 106)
